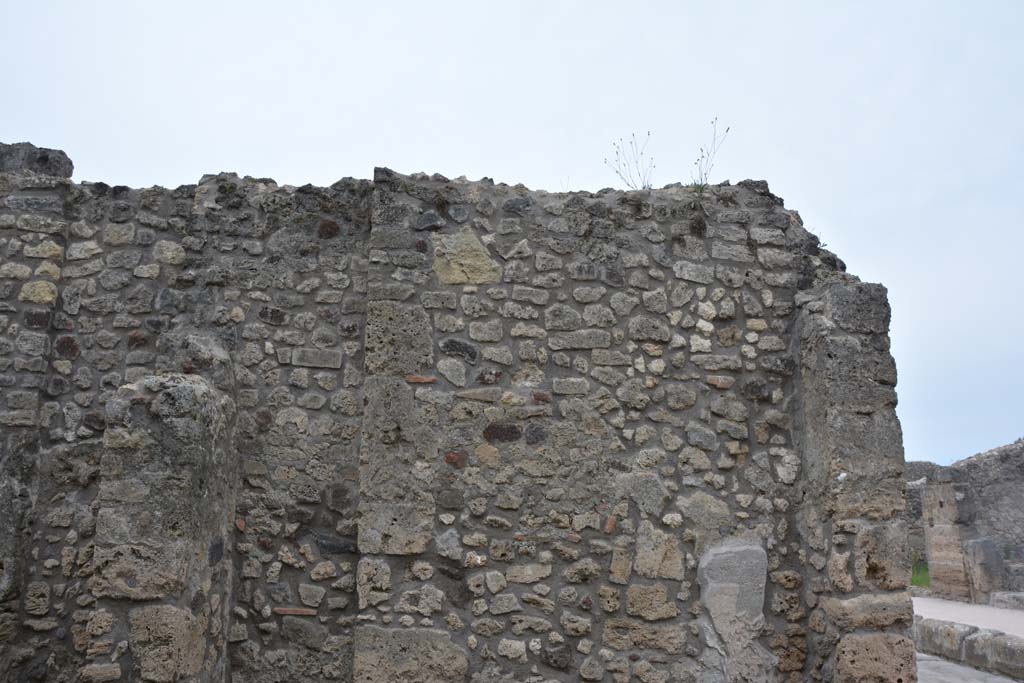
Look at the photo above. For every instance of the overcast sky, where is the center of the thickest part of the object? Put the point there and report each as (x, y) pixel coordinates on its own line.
(896, 129)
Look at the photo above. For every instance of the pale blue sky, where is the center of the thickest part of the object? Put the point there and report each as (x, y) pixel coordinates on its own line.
(894, 128)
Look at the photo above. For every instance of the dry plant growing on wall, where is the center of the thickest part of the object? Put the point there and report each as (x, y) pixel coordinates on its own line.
(705, 161)
(631, 162)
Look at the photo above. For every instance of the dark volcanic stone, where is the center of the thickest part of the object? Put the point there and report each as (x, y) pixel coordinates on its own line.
(457, 347)
(24, 156)
(215, 552)
(451, 499)
(37, 319)
(502, 431)
(327, 229)
(557, 656)
(756, 389)
(535, 433)
(516, 205)
(331, 545)
(272, 315)
(429, 220)
(67, 347)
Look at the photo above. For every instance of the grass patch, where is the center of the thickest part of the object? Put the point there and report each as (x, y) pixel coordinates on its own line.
(921, 578)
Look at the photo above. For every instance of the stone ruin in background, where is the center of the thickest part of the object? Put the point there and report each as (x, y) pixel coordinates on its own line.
(967, 525)
(430, 430)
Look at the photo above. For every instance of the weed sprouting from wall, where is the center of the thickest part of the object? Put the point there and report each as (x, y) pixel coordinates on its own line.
(705, 161)
(631, 162)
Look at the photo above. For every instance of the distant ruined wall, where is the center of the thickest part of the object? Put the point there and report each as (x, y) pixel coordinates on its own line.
(972, 524)
(432, 430)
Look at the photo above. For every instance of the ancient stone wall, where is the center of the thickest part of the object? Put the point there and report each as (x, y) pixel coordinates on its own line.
(432, 430)
(972, 524)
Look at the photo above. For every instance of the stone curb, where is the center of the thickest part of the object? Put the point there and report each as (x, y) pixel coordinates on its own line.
(979, 648)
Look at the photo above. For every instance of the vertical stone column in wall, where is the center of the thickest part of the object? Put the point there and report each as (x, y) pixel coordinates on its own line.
(17, 451)
(854, 537)
(396, 512)
(943, 541)
(33, 186)
(399, 454)
(160, 572)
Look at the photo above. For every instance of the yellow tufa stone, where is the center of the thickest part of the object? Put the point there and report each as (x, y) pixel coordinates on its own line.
(38, 292)
(48, 269)
(16, 271)
(45, 249)
(171, 253)
(462, 260)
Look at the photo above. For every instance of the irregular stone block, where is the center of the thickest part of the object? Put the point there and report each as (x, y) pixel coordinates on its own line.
(461, 259)
(37, 598)
(580, 339)
(395, 528)
(423, 601)
(304, 631)
(119, 234)
(873, 611)
(708, 516)
(167, 643)
(643, 328)
(136, 573)
(398, 338)
(373, 581)
(16, 271)
(38, 292)
(100, 673)
(317, 358)
(658, 555)
(628, 634)
(881, 556)
(463, 349)
(413, 655)
(24, 156)
(874, 658)
(78, 251)
(732, 578)
(859, 307)
(646, 489)
(168, 253)
(693, 272)
(995, 651)
(489, 331)
(47, 249)
(497, 432)
(942, 638)
(651, 603)
(504, 603)
(528, 573)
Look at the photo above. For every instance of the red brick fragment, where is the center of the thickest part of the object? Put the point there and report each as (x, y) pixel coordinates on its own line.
(295, 611)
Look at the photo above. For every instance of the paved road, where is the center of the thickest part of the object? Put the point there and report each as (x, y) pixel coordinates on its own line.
(983, 616)
(935, 670)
